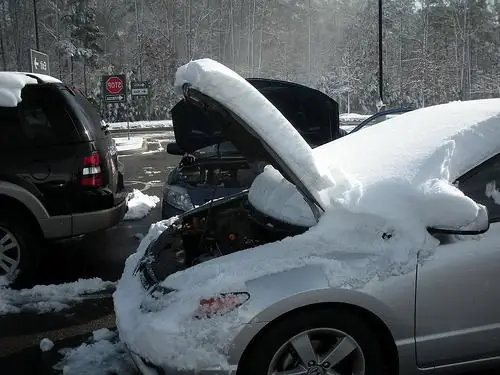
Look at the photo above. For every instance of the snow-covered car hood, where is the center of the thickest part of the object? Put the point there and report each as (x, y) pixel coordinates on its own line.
(260, 128)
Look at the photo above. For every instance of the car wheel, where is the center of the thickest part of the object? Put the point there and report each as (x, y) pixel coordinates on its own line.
(19, 250)
(316, 342)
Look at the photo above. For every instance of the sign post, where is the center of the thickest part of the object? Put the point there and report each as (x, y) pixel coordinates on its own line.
(140, 88)
(114, 89)
(39, 62)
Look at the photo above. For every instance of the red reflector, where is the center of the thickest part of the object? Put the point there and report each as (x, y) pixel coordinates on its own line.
(95, 180)
(93, 159)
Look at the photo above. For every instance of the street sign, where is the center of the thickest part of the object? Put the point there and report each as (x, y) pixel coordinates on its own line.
(39, 62)
(115, 88)
(140, 88)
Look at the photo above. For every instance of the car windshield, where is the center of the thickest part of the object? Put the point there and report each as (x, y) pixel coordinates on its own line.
(224, 148)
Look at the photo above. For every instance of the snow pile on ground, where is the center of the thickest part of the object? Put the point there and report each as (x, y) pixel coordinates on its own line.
(125, 144)
(345, 117)
(46, 345)
(11, 84)
(48, 298)
(140, 205)
(140, 125)
(103, 354)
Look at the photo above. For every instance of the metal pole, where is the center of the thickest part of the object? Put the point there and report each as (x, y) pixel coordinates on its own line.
(380, 54)
(138, 39)
(36, 26)
(128, 119)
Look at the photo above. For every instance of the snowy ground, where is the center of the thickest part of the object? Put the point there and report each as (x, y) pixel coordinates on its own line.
(124, 144)
(48, 298)
(140, 205)
(102, 354)
(347, 117)
(140, 125)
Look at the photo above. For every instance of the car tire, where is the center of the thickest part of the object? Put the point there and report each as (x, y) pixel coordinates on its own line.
(262, 356)
(16, 230)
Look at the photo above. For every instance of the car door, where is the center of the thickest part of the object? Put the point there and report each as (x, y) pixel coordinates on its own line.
(457, 299)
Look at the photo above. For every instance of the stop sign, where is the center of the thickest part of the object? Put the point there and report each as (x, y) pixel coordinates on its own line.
(114, 85)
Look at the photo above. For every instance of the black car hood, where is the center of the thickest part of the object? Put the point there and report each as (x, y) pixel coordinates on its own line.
(314, 114)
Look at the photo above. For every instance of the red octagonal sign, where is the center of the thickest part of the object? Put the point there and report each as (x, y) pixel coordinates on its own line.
(114, 85)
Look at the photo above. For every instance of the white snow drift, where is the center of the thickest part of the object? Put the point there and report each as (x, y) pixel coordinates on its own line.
(48, 298)
(103, 354)
(11, 84)
(140, 205)
(380, 188)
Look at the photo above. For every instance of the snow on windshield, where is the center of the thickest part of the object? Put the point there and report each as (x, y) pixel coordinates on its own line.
(239, 96)
(11, 84)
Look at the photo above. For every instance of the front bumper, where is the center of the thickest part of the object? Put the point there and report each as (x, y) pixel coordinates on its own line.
(146, 368)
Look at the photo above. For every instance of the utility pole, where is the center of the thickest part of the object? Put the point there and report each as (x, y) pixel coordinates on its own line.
(36, 26)
(380, 55)
(138, 40)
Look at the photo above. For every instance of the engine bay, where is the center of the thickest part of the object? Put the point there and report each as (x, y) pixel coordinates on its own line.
(216, 173)
(210, 233)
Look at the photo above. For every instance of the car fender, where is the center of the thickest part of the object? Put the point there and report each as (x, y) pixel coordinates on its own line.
(26, 198)
(287, 291)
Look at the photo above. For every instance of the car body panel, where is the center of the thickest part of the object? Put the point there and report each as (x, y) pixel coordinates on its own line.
(449, 327)
(392, 301)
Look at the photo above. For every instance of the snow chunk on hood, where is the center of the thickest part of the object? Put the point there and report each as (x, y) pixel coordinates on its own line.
(11, 84)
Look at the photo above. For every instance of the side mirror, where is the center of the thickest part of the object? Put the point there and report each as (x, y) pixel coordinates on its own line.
(478, 226)
(174, 149)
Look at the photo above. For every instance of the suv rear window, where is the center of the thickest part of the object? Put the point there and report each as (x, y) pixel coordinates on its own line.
(40, 120)
(44, 118)
(85, 111)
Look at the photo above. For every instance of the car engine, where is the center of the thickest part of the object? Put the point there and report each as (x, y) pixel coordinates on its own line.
(211, 233)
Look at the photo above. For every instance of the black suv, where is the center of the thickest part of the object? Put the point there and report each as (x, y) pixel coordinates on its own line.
(59, 175)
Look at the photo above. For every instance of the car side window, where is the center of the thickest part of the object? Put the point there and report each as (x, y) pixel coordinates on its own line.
(482, 184)
(44, 119)
(11, 133)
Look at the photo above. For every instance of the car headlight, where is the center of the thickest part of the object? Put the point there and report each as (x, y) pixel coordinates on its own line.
(177, 197)
(220, 304)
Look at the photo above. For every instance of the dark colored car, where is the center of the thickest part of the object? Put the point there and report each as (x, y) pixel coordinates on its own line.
(213, 168)
(59, 177)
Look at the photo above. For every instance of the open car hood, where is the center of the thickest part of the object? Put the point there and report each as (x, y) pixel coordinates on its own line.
(314, 114)
(236, 110)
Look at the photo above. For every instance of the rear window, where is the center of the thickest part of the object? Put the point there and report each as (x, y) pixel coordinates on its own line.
(85, 111)
(40, 120)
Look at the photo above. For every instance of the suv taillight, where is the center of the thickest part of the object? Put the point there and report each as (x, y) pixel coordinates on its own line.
(91, 174)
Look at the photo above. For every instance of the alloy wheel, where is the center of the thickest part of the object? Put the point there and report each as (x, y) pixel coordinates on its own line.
(10, 253)
(321, 351)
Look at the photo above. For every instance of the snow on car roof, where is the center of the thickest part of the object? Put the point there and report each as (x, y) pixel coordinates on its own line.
(238, 95)
(404, 167)
(11, 84)
(414, 145)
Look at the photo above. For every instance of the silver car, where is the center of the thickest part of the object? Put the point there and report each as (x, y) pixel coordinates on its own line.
(378, 253)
